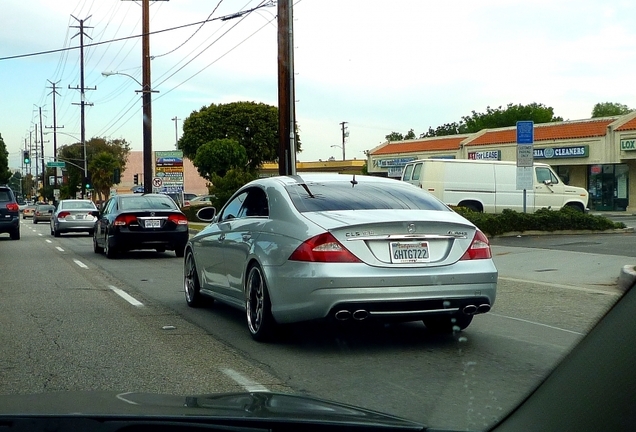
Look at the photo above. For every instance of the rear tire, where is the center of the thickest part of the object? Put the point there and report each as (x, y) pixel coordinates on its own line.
(34, 221)
(56, 233)
(448, 323)
(109, 251)
(180, 251)
(258, 306)
(15, 234)
(96, 247)
(191, 286)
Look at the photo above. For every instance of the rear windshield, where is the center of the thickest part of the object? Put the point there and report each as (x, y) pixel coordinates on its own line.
(147, 202)
(70, 205)
(328, 196)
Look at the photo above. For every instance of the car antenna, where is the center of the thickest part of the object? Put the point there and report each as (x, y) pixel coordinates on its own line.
(354, 181)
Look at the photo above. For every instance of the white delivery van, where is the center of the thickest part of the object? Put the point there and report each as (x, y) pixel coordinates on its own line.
(491, 186)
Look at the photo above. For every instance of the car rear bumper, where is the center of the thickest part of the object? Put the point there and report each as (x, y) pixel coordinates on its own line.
(9, 224)
(129, 240)
(306, 291)
(74, 225)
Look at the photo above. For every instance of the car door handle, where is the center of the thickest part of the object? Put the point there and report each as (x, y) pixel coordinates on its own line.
(246, 237)
(222, 237)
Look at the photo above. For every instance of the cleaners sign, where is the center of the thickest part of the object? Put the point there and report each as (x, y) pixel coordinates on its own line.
(562, 152)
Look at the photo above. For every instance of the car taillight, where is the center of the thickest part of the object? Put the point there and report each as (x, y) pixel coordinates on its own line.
(479, 248)
(13, 207)
(323, 248)
(124, 219)
(63, 215)
(178, 219)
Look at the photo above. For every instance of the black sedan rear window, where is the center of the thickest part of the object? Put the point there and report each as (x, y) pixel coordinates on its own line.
(329, 196)
(133, 202)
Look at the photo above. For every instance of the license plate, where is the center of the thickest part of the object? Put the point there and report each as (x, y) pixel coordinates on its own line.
(153, 223)
(79, 216)
(409, 252)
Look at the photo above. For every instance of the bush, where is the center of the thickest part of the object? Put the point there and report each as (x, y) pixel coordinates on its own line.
(567, 218)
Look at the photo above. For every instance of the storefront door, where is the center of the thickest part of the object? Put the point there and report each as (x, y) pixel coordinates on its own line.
(608, 187)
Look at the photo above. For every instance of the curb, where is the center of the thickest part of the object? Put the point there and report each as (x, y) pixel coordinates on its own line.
(627, 277)
(561, 232)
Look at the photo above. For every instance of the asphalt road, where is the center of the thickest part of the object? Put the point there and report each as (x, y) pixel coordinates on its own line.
(64, 327)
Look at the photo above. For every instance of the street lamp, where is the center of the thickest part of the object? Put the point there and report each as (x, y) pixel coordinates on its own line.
(147, 123)
(343, 150)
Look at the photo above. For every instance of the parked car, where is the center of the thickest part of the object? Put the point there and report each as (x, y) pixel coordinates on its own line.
(296, 248)
(43, 212)
(9, 213)
(28, 211)
(188, 196)
(73, 215)
(148, 221)
(199, 201)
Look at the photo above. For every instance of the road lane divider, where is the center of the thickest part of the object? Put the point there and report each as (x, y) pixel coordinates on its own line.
(48, 241)
(246, 383)
(79, 263)
(59, 248)
(123, 294)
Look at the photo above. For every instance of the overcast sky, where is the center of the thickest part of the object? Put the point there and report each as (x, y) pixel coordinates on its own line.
(381, 66)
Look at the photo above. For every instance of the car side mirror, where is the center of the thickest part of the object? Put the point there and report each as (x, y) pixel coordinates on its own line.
(547, 182)
(206, 214)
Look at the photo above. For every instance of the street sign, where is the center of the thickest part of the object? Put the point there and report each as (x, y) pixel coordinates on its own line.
(57, 164)
(525, 132)
(525, 179)
(157, 182)
(525, 155)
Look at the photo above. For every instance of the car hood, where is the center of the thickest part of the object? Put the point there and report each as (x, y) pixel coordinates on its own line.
(254, 406)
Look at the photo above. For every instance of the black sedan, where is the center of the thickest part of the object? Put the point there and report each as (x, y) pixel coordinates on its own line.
(148, 221)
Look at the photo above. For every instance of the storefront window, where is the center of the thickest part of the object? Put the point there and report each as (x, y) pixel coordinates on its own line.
(608, 187)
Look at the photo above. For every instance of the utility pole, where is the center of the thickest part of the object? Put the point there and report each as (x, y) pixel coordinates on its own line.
(42, 150)
(176, 132)
(82, 103)
(37, 174)
(55, 127)
(345, 134)
(286, 92)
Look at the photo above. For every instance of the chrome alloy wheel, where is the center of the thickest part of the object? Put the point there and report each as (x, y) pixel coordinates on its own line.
(255, 300)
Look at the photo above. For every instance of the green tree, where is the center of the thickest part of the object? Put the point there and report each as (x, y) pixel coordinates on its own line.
(252, 125)
(218, 156)
(394, 136)
(101, 168)
(73, 154)
(607, 109)
(5, 173)
(223, 187)
(496, 118)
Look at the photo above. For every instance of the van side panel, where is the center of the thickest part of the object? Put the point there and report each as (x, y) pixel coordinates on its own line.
(508, 197)
(470, 183)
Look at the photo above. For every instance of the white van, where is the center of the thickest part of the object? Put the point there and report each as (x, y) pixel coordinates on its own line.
(491, 186)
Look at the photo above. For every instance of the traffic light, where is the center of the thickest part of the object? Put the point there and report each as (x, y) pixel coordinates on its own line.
(116, 176)
(87, 182)
(27, 158)
(136, 179)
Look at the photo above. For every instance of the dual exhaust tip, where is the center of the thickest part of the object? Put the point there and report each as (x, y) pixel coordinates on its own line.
(362, 314)
(474, 309)
(359, 315)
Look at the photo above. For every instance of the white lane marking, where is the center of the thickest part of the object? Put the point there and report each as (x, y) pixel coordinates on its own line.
(123, 294)
(40, 234)
(536, 323)
(247, 383)
(568, 287)
(59, 248)
(79, 263)
(121, 397)
(48, 241)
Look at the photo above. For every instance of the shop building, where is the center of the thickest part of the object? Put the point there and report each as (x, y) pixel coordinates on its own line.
(596, 154)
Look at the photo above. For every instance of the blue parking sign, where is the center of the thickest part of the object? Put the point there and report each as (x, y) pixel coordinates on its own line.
(525, 132)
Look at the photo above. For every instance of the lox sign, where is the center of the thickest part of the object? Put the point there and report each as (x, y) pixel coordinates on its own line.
(628, 144)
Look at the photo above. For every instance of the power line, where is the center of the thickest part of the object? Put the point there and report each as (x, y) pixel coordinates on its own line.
(222, 18)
